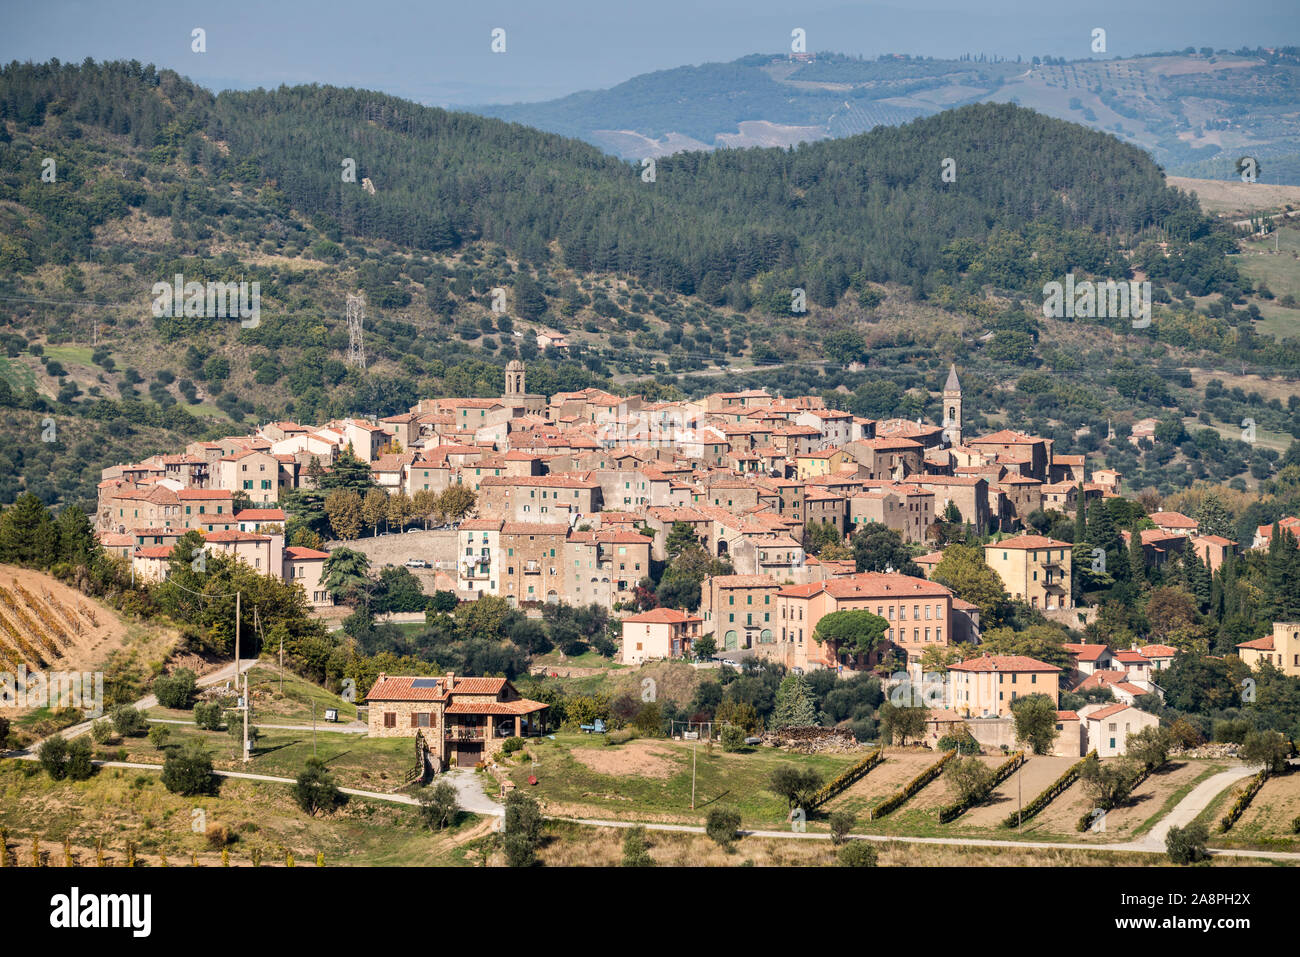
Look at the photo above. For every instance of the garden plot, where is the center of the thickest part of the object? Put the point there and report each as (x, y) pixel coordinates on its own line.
(1036, 775)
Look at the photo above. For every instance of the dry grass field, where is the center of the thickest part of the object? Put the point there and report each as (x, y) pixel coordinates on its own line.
(1233, 196)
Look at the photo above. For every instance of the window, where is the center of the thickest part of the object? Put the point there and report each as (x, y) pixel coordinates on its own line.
(390, 719)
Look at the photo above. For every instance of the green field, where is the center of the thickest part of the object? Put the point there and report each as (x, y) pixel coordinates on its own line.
(119, 806)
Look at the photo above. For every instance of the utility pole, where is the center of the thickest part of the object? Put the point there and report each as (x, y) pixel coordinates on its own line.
(248, 704)
(313, 728)
(694, 747)
(238, 612)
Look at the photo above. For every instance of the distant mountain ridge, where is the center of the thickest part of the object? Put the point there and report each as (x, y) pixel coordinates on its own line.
(1195, 113)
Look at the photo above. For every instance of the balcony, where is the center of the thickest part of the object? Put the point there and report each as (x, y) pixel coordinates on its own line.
(466, 734)
(532, 568)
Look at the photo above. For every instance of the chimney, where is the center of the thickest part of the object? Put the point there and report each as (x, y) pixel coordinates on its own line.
(382, 676)
(450, 680)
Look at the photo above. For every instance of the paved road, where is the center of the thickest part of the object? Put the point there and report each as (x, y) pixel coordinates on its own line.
(471, 797)
(222, 674)
(1197, 800)
(349, 728)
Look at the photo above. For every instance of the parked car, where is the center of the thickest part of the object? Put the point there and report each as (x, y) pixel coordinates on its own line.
(417, 563)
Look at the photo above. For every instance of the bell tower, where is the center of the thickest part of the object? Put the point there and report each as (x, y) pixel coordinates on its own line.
(952, 407)
(514, 379)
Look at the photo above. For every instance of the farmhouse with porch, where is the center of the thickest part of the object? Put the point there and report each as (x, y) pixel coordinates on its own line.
(460, 720)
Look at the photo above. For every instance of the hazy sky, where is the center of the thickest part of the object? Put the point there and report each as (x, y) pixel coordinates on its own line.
(439, 52)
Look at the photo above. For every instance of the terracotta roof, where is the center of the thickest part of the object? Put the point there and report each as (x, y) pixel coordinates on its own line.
(1108, 711)
(1259, 644)
(662, 616)
(1067, 716)
(1158, 651)
(1005, 437)
(299, 553)
(869, 585)
(1086, 651)
(521, 706)
(1008, 663)
(1172, 519)
(1028, 542)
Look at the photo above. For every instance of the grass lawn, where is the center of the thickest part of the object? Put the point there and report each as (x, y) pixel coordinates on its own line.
(649, 779)
(1269, 821)
(376, 764)
(122, 805)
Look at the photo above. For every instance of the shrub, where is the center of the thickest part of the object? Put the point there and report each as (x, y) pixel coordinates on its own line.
(315, 789)
(842, 782)
(127, 721)
(53, 754)
(207, 716)
(219, 836)
(963, 742)
(1295, 825)
(721, 825)
(80, 765)
(188, 771)
(175, 690)
(636, 851)
(1187, 845)
(733, 738)
(523, 828)
(858, 854)
(512, 745)
(842, 822)
(1243, 800)
(438, 805)
(102, 731)
(158, 736)
(971, 779)
(622, 736)
(797, 785)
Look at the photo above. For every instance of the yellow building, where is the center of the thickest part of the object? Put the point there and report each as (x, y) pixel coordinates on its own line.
(1034, 568)
(814, 464)
(987, 685)
(1281, 649)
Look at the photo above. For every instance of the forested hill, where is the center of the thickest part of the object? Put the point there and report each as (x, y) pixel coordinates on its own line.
(674, 283)
(872, 204)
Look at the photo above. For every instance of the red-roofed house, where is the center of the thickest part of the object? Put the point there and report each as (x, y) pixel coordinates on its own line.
(659, 633)
(986, 686)
(1034, 568)
(1108, 727)
(462, 721)
(919, 613)
(306, 567)
(1281, 649)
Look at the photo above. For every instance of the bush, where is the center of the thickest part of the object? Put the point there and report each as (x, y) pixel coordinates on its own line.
(963, 742)
(315, 789)
(438, 805)
(53, 755)
(858, 854)
(733, 738)
(622, 736)
(102, 731)
(721, 825)
(512, 745)
(158, 736)
(175, 690)
(188, 771)
(1295, 825)
(128, 722)
(207, 716)
(842, 822)
(636, 851)
(971, 780)
(80, 764)
(523, 827)
(1187, 845)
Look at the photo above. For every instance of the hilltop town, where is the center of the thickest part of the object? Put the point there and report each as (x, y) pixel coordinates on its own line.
(578, 496)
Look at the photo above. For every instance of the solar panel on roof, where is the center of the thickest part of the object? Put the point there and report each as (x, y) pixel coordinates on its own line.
(424, 683)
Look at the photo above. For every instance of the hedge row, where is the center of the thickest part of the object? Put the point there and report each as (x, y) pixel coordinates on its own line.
(950, 811)
(832, 788)
(912, 786)
(1085, 822)
(1050, 794)
(1243, 800)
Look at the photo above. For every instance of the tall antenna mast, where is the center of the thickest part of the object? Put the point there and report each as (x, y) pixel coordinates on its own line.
(356, 346)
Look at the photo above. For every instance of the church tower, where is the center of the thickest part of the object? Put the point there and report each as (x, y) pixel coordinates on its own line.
(514, 379)
(952, 407)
